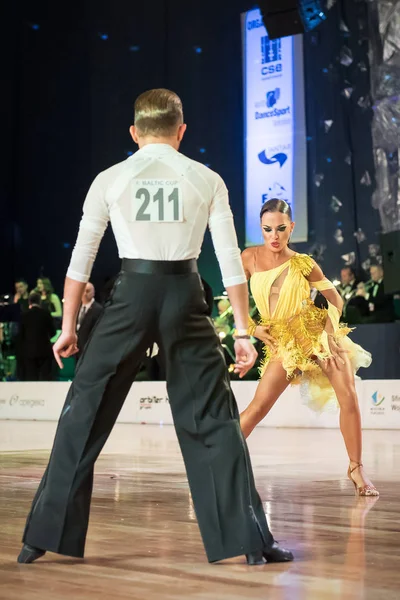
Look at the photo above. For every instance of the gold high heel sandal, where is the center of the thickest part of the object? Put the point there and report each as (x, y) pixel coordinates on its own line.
(365, 490)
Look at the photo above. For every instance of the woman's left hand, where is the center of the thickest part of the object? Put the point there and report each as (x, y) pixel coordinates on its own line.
(336, 359)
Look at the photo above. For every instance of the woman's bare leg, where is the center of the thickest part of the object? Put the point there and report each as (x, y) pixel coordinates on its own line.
(343, 383)
(271, 386)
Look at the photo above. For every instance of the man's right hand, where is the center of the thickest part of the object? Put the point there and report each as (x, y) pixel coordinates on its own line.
(246, 356)
(65, 346)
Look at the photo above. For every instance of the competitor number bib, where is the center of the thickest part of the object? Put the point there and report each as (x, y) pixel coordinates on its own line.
(156, 201)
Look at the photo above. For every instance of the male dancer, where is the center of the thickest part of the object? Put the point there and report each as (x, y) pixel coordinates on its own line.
(159, 203)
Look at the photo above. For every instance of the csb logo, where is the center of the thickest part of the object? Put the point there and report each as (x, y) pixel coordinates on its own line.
(377, 399)
(271, 56)
(271, 50)
(273, 97)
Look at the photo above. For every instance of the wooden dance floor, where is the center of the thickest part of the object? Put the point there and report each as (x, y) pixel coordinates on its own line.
(143, 541)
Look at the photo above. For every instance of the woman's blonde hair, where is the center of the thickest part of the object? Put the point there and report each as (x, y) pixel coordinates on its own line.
(158, 113)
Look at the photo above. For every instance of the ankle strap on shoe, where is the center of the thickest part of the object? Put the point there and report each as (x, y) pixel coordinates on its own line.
(358, 465)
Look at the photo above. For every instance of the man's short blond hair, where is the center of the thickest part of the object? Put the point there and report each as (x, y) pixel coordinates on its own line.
(158, 113)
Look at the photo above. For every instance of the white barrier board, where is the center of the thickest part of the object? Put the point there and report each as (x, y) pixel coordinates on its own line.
(147, 402)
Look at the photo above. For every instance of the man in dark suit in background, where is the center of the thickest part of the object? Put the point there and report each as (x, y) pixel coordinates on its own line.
(371, 302)
(88, 316)
(348, 283)
(380, 304)
(36, 330)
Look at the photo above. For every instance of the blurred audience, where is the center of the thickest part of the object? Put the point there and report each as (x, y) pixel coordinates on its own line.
(223, 305)
(224, 320)
(36, 350)
(348, 283)
(88, 316)
(356, 310)
(21, 298)
(380, 304)
(21, 295)
(40, 315)
(49, 300)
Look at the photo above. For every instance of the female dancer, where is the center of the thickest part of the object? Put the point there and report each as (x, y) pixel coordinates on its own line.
(303, 344)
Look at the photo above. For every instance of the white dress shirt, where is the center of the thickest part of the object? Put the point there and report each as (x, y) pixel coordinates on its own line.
(159, 203)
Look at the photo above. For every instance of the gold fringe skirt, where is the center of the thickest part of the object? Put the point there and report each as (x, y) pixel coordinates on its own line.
(301, 341)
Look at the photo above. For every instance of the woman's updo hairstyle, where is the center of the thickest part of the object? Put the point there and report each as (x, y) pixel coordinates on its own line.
(276, 205)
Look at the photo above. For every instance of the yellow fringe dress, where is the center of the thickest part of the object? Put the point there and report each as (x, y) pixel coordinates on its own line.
(297, 326)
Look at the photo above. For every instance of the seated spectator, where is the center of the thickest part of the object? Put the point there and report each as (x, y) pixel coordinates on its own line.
(356, 310)
(21, 296)
(49, 300)
(88, 316)
(381, 307)
(36, 330)
(348, 284)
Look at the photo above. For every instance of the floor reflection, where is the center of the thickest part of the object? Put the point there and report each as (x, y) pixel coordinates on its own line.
(143, 537)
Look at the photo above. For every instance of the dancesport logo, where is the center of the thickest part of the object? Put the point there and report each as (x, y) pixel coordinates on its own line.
(279, 158)
(273, 97)
(377, 399)
(275, 112)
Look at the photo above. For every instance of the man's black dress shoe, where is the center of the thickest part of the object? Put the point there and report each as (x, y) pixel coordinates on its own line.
(29, 553)
(272, 554)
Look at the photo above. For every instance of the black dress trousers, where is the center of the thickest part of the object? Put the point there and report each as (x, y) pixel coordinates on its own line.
(162, 302)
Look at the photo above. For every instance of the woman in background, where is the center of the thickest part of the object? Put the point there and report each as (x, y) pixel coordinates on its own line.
(49, 299)
(303, 343)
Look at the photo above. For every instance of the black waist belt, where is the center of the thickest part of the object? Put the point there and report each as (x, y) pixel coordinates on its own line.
(159, 267)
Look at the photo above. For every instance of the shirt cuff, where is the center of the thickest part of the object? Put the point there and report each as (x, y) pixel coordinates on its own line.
(77, 276)
(237, 280)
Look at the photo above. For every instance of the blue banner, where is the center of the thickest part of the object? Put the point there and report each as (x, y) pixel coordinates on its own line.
(275, 136)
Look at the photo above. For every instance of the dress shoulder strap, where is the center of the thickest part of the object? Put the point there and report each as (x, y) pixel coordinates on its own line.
(255, 253)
